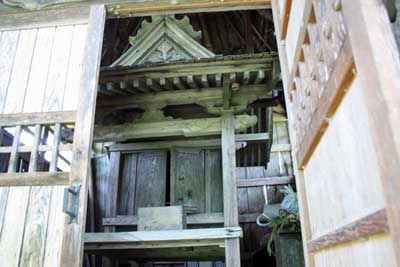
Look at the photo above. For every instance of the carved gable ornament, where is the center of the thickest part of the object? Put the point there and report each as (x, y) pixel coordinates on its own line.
(164, 39)
(36, 4)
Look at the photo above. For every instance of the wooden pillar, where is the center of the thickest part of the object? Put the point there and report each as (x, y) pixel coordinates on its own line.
(232, 246)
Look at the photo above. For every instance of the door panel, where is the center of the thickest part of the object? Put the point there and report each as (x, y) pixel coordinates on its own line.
(39, 100)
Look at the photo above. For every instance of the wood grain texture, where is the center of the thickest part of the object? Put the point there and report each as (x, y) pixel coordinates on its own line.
(72, 251)
(44, 118)
(369, 225)
(257, 182)
(378, 65)
(34, 179)
(44, 18)
(213, 181)
(285, 18)
(128, 185)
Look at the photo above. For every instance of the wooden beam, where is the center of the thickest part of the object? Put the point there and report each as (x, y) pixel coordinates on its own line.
(257, 63)
(42, 118)
(177, 127)
(41, 148)
(129, 9)
(203, 143)
(335, 89)
(43, 18)
(72, 248)
(285, 18)
(256, 182)
(371, 224)
(231, 216)
(161, 238)
(378, 66)
(191, 219)
(252, 138)
(246, 94)
(34, 178)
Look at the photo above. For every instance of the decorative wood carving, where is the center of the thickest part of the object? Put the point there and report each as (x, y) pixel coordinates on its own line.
(164, 39)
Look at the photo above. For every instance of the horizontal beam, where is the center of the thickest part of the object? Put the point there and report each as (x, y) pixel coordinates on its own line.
(252, 138)
(214, 66)
(148, 8)
(161, 239)
(256, 182)
(43, 118)
(245, 94)
(374, 223)
(41, 148)
(191, 219)
(173, 127)
(188, 143)
(34, 178)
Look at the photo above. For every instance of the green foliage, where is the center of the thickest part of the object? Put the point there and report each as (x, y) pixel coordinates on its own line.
(288, 218)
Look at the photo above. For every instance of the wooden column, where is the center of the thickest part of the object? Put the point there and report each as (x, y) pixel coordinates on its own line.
(232, 246)
(378, 66)
(72, 248)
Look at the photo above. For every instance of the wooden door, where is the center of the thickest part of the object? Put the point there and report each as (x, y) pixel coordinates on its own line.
(49, 69)
(341, 76)
(196, 180)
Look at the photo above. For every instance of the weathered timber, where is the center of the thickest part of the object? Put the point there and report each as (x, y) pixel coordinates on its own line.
(12, 165)
(371, 224)
(191, 219)
(259, 63)
(41, 148)
(44, 18)
(35, 149)
(200, 253)
(177, 127)
(232, 247)
(72, 249)
(34, 178)
(196, 143)
(257, 182)
(43, 118)
(161, 238)
(206, 96)
(161, 218)
(126, 8)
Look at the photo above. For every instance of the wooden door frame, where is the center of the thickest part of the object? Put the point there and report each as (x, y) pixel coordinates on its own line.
(73, 239)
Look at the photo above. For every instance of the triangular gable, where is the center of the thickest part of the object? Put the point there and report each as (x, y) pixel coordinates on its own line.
(164, 39)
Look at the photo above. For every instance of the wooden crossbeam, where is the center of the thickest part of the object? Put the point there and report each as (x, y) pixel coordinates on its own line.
(177, 127)
(191, 219)
(42, 118)
(160, 239)
(34, 178)
(256, 182)
(41, 148)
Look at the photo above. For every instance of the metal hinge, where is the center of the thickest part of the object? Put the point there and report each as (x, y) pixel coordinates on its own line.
(71, 202)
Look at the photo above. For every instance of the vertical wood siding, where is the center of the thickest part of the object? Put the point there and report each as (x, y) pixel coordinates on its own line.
(39, 72)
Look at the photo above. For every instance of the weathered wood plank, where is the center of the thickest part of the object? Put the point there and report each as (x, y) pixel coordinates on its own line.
(35, 149)
(43, 118)
(72, 250)
(54, 151)
(188, 128)
(232, 247)
(252, 138)
(41, 148)
(257, 182)
(20, 72)
(128, 184)
(213, 181)
(368, 225)
(207, 234)
(8, 47)
(161, 218)
(34, 179)
(189, 179)
(56, 79)
(191, 219)
(12, 165)
(44, 18)
(151, 179)
(36, 86)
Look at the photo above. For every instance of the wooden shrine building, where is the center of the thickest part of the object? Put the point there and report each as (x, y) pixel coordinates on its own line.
(156, 132)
